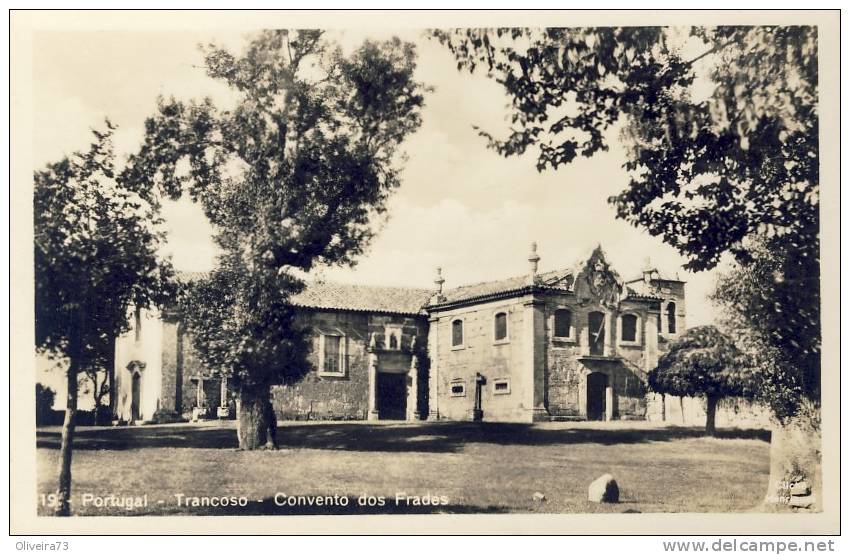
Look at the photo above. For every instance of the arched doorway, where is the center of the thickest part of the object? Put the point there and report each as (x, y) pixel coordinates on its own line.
(597, 382)
(136, 397)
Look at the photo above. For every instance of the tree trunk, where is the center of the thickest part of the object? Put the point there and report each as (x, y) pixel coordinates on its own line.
(63, 507)
(97, 400)
(110, 375)
(710, 411)
(257, 426)
(795, 458)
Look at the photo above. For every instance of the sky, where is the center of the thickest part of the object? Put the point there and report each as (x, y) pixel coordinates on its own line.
(461, 206)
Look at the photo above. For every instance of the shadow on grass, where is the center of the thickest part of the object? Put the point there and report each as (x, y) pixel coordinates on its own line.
(426, 437)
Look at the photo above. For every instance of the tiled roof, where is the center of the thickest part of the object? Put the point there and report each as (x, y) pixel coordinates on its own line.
(486, 288)
(343, 296)
(365, 298)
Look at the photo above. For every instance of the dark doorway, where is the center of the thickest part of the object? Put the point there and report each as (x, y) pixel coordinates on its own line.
(392, 396)
(597, 382)
(596, 333)
(135, 399)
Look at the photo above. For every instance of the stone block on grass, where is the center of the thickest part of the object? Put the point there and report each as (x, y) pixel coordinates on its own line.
(604, 490)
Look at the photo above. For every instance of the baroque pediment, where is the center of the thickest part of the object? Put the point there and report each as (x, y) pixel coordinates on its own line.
(596, 281)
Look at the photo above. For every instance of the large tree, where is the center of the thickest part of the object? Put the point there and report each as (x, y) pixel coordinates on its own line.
(772, 304)
(95, 254)
(292, 175)
(720, 126)
(704, 362)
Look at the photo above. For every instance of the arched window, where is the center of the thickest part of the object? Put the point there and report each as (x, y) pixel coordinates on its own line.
(457, 333)
(393, 341)
(628, 327)
(671, 317)
(500, 326)
(563, 323)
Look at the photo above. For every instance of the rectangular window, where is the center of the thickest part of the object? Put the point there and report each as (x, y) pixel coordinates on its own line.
(458, 389)
(563, 323)
(502, 386)
(629, 327)
(332, 354)
(500, 333)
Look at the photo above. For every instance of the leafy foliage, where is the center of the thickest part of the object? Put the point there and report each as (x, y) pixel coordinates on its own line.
(707, 170)
(44, 397)
(258, 347)
(293, 175)
(703, 361)
(96, 247)
(95, 253)
(773, 304)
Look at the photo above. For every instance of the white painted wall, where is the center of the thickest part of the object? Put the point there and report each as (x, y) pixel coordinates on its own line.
(147, 350)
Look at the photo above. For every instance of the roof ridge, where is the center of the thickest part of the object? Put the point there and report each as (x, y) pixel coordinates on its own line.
(335, 282)
(519, 276)
(317, 281)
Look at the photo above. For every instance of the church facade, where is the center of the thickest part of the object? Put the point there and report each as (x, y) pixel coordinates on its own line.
(571, 344)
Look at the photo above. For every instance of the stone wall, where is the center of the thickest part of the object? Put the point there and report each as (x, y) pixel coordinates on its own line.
(346, 397)
(732, 412)
(172, 374)
(180, 365)
(482, 354)
(568, 363)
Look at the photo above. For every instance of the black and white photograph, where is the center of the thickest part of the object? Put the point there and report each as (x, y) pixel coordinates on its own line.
(370, 264)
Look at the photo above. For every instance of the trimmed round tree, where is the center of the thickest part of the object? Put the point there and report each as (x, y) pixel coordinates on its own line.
(703, 362)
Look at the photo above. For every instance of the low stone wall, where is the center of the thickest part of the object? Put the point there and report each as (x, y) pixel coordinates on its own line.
(690, 411)
(317, 399)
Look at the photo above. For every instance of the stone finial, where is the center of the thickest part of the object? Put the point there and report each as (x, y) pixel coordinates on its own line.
(439, 281)
(647, 269)
(533, 259)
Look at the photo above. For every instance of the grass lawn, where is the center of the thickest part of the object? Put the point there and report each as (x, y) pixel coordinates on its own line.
(479, 468)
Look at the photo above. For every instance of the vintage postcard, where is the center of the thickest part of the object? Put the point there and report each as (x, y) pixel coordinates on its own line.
(554, 272)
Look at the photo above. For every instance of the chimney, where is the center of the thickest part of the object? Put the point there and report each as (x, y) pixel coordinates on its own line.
(439, 281)
(533, 259)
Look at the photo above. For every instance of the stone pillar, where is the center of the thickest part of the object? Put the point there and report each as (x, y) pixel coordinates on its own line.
(373, 387)
(534, 361)
(199, 393)
(584, 335)
(650, 338)
(433, 369)
(609, 403)
(413, 391)
(608, 349)
(223, 411)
